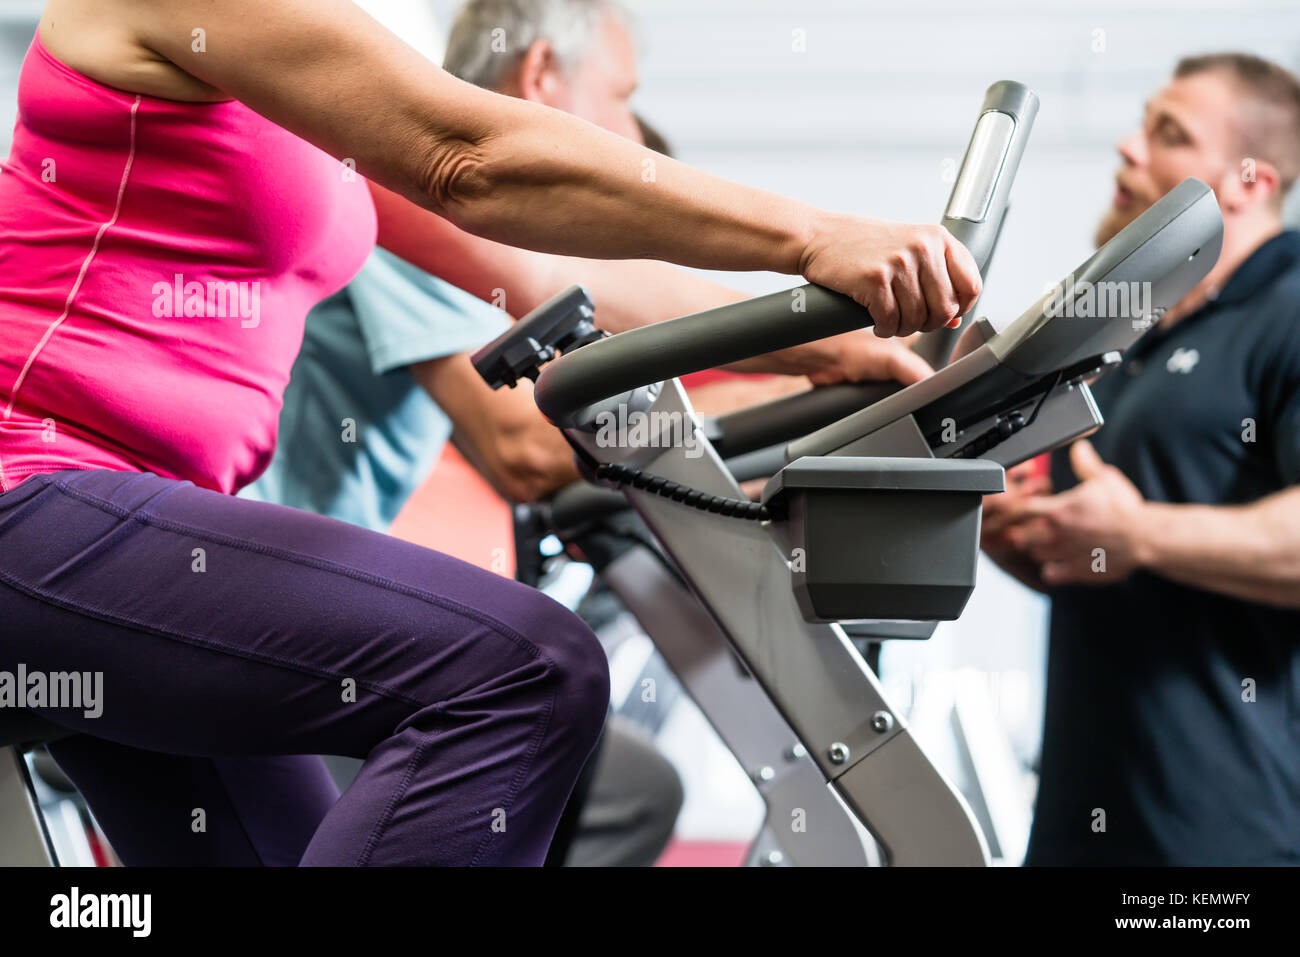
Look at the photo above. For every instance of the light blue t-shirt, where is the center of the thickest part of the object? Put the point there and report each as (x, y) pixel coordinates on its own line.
(358, 434)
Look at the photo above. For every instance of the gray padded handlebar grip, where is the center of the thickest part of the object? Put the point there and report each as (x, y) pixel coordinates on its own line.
(678, 347)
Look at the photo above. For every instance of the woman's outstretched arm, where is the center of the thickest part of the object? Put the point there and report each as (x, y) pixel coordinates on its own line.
(528, 175)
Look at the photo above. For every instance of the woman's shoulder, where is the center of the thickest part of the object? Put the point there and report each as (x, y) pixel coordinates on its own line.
(98, 39)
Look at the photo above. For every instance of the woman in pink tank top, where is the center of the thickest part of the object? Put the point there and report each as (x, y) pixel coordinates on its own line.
(157, 247)
(176, 199)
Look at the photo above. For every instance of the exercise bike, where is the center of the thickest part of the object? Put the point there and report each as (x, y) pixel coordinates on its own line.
(868, 528)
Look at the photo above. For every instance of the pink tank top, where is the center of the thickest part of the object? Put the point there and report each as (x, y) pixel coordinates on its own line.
(157, 262)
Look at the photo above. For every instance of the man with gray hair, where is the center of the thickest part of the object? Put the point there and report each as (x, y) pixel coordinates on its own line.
(389, 354)
(578, 56)
(584, 50)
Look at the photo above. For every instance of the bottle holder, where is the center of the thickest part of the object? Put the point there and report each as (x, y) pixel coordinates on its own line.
(894, 538)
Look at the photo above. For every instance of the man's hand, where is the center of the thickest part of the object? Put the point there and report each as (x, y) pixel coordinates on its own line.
(860, 356)
(910, 278)
(1091, 534)
(1102, 530)
(856, 356)
(1024, 482)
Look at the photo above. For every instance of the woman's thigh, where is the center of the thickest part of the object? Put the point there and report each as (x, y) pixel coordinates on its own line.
(219, 626)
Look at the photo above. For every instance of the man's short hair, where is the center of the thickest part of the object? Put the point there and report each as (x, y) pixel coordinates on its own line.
(490, 37)
(1269, 124)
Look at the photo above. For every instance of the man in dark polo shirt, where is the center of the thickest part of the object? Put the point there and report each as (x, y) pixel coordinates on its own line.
(1171, 547)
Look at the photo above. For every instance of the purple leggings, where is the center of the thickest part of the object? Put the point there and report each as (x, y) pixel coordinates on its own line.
(235, 638)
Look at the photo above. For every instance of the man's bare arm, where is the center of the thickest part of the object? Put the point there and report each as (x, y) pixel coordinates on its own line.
(501, 433)
(1246, 551)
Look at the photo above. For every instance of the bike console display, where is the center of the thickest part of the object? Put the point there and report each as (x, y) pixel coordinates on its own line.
(562, 323)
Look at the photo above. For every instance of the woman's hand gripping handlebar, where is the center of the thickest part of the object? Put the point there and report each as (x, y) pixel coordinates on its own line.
(910, 278)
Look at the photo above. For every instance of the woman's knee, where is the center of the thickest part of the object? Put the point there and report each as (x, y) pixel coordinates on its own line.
(577, 667)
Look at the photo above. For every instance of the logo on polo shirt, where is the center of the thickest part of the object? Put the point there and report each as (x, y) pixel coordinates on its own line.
(1183, 360)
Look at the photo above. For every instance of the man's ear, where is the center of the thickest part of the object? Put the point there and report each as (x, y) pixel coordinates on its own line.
(1253, 184)
(539, 73)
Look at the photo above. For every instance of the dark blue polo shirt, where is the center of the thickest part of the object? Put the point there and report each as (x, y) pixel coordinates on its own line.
(1146, 717)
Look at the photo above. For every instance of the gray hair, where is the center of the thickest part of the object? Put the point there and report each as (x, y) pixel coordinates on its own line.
(490, 37)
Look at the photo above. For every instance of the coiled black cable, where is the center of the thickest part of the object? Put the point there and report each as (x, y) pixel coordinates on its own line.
(690, 497)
